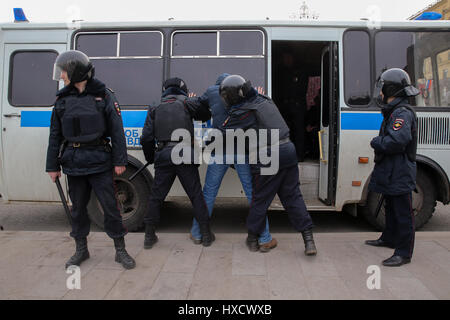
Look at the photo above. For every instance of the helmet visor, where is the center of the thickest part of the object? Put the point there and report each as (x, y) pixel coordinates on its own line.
(57, 71)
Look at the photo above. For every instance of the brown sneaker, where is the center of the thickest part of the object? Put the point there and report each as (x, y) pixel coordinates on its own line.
(266, 247)
(195, 241)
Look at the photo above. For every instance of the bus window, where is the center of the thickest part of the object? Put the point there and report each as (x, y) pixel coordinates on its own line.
(97, 45)
(126, 62)
(140, 44)
(357, 68)
(443, 65)
(194, 44)
(415, 52)
(31, 82)
(249, 43)
(199, 62)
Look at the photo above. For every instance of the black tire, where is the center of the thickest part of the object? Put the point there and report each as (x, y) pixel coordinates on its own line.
(133, 198)
(424, 203)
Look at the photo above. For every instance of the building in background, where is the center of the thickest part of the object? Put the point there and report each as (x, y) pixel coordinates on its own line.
(441, 6)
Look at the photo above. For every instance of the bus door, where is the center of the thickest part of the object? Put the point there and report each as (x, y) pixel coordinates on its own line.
(328, 123)
(27, 99)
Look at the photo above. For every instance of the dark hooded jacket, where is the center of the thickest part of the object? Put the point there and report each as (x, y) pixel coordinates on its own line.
(395, 172)
(87, 159)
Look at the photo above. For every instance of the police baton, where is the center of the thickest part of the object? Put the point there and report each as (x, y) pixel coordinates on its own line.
(380, 203)
(139, 171)
(63, 200)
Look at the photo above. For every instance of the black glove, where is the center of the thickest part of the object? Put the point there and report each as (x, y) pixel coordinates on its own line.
(149, 153)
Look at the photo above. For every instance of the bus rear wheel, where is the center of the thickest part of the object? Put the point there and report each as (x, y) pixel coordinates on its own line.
(132, 197)
(423, 202)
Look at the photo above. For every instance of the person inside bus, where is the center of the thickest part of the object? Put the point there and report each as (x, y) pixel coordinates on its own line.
(84, 116)
(394, 174)
(174, 112)
(312, 128)
(252, 111)
(291, 91)
(216, 171)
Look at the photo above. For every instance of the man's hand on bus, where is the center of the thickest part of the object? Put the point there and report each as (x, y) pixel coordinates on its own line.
(119, 170)
(54, 175)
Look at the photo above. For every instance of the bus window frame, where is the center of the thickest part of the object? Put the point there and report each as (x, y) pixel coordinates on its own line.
(217, 31)
(433, 61)
(127, 30)
(206, 29)
(118, 32)
(371, 81)
(10, 77)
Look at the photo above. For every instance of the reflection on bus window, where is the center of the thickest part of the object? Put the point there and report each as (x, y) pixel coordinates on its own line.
(357, 68)
(443, 65)
(417, 53)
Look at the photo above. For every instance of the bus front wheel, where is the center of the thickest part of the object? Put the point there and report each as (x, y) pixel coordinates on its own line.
(423, 203)
(132, 198)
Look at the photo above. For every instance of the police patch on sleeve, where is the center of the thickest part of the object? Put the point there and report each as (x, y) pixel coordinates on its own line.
(398, 124)
(117, 107)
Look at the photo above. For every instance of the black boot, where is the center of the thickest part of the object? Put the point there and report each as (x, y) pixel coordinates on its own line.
(150, 236)
(207, 236)
(81, 253)
(122, 255)
(310, 247)
(252, 242)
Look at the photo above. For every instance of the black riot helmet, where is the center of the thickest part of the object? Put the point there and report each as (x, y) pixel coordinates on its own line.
(234, 89)
(175, 82)
(394, 82)
(76, 64)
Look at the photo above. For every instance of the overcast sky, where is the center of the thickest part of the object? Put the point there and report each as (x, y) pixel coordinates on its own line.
(135, 10)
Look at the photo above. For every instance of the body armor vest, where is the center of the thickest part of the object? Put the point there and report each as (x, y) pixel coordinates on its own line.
(171, 115)
(82, 118)
(268, 117)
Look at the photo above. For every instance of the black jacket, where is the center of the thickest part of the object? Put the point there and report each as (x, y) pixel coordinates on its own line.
(148, 141)
(394, 172)
(88, 159)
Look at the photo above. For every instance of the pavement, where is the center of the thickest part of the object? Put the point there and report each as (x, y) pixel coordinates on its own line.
(32, 267)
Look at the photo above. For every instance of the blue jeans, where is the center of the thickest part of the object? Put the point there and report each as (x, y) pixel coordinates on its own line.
(214, 176)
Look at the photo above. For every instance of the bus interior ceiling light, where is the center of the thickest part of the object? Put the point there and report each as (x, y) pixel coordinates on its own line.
(19, 15)
(429, 16)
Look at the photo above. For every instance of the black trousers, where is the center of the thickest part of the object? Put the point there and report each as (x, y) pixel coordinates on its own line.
(400, 225)
(80, 188)
(163, 181)
(287, 185)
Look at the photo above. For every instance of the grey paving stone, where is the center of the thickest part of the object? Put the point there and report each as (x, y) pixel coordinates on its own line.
(95, 285)
(247, 263)
(212, 277)
(285, 276)
(444, 243)
(171, 286)
(38, 281)
(409, 289)
(136, 283)
(184, 257)
(248, 288)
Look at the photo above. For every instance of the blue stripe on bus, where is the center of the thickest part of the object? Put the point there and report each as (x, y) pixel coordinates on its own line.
(136, 119)
(41, 119)
(361, 121)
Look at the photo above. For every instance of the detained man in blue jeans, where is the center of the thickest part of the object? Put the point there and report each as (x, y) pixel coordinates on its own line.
(216, 171)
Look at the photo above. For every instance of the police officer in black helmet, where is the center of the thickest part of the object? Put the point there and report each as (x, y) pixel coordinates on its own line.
(250, 110)
(394, 174)
(85, 121)
(174, 112)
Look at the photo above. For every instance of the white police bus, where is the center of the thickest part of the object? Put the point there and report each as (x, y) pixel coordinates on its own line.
(339, 61)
